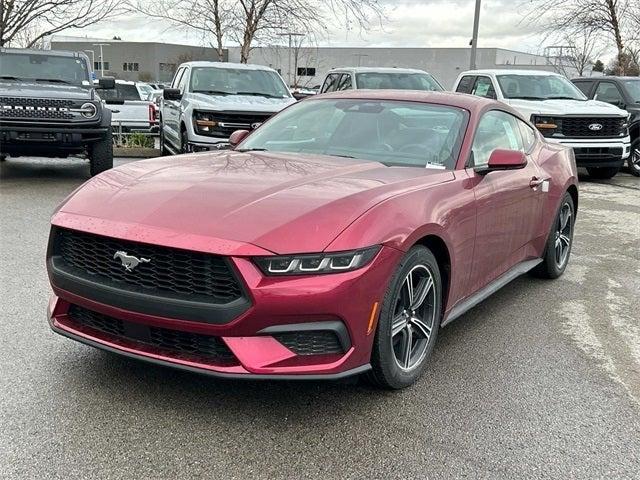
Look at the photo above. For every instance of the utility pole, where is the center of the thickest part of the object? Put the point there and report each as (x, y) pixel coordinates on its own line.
(474, 39)
(101, 57)
(290, 35)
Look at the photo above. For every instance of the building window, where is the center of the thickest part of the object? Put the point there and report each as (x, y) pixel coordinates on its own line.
(130, 67)
(98, 65)
(168, 67)
(306, 72)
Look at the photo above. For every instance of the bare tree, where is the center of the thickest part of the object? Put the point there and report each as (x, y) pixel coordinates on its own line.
(247, 22)
(583, 49)
(27, 22)
(573, 17)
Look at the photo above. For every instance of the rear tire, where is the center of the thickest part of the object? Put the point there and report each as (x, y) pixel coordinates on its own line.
(634, 158)
(101, 155)
(559, 243)
(603, 173)
(408, 323)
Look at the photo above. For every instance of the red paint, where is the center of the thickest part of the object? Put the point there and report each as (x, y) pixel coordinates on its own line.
(247, 204)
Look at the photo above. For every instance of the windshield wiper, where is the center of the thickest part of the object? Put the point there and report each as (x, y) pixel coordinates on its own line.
(252, 150)
(214, 92)
(565, 97)
(52, 80)
(9, 77)
(259, 94)
(526, 97)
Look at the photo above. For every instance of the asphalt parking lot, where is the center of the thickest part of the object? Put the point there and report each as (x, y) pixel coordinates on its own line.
(541, 380)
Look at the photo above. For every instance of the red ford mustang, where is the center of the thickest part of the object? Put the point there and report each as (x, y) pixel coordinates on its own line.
(336, 239)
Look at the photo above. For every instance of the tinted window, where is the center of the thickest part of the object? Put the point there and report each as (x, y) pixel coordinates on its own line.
(466, 84)
(608, 92)
(330, 83)
(121, 92)
(538, 87)
(484, 88)
(633, 88)
(237, 81)
(585, 87)
(24, 66)
(397, 81)
(392, 132)
(496, 130)
(345, 82)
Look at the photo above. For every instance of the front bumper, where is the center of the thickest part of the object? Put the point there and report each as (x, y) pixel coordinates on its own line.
(343, 302)
(598, 152)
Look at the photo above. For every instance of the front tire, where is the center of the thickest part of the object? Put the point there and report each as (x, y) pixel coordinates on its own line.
(184, 141)
(634, 158)
(559, 243)
(603, 173)
(163, 144)
(101, 155)
(409, 321)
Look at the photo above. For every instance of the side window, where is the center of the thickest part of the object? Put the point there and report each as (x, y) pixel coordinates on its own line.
(177, 77)
(466, 84)
(584, 86)
(345, 82)
(182, 84)
(528, 136)
(484, 88)
(608, 92)
(330, 83)
(496, 130)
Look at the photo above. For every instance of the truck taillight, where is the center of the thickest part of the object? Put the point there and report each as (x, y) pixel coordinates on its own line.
(153, 113)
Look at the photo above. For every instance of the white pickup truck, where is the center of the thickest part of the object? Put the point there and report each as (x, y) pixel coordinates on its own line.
(131, 111)
(597, 131)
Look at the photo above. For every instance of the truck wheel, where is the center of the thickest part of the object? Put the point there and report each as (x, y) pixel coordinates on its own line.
(602, 173)
(163, 144)
(101, 155)
(634, 158)
(184, 142)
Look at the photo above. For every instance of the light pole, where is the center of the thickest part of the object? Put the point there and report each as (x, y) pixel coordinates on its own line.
(290, 35)
(474, 39)
(101, 57)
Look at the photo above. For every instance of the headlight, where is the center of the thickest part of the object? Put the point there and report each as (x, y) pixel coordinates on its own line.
(546, 125)
(313, 264)
(87, 110)
(204, 122)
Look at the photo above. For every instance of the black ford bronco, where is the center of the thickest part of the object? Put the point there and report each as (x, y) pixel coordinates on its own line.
(49, 107)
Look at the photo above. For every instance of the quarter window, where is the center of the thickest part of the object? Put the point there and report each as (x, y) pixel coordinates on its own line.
(496, 130)
(466, 84)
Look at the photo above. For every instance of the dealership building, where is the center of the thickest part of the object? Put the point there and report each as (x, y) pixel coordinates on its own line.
(304, 66)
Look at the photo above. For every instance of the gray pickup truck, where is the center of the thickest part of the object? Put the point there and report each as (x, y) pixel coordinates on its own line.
(49, 107)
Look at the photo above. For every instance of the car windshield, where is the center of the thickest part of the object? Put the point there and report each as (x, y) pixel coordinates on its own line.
(123, 91)
(232, 81)
(396, 133)
(633, 87)
(43, 68)
(397, 81)
(539, 87)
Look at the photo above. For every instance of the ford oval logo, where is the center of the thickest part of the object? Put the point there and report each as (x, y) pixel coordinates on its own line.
(595, 127)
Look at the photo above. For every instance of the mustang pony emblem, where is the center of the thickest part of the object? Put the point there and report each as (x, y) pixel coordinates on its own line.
(129, 262)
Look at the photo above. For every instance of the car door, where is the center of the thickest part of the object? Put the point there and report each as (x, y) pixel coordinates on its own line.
(508, 203)
(171, 112)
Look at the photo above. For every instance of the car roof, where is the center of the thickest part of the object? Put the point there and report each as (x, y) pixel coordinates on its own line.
(239, 66)
(497, 71)
(606, 77)
(376, 70)
(31, 51)
(460, 100)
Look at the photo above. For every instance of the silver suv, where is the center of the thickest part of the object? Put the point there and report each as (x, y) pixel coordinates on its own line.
(208, 101)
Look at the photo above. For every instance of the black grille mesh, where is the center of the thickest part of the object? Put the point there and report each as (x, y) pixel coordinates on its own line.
(8, 108)
(579, 127)
(246, 118)
(170, 272)
(173, 342)
(310, 343)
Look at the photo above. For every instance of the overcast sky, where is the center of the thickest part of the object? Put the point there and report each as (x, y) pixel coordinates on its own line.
(410, 23)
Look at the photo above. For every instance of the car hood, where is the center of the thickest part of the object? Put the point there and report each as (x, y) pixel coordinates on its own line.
(564, 107)
(283, 203)
(46, 90)
(239, 103)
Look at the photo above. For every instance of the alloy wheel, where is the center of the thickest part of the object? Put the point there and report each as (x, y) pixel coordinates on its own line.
(634, 161)
(563, 235)
(413, 318)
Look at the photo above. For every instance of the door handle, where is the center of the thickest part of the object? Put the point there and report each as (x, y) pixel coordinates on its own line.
(536, 182)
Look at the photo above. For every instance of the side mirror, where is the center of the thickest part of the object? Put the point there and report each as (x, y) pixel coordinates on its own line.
(237, 136)
(108, 83)
(503, 160)
(171, 94)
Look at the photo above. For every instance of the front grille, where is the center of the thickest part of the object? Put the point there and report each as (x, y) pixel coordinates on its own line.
(310, 343)
(242, 121)
(170, 272)
(173, 343)
(603, 153)
(36, 108)
(579, 127)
